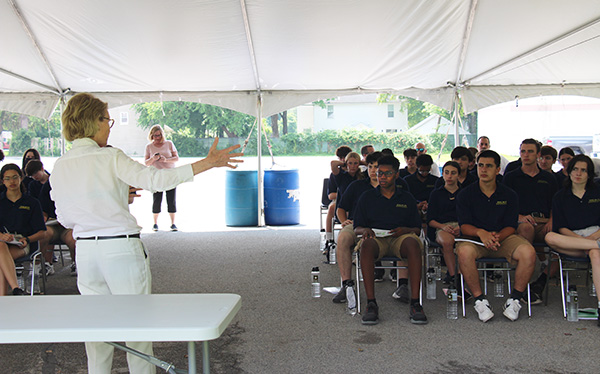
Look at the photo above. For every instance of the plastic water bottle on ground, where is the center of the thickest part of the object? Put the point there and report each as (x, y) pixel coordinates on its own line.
(572, 304)
(431, 286)
(592, 287)
(20, 280)
(498, 284)
(323, 240)
(315, 282)
(350, 301)
(452, 304)
(332, 255)
(438, 268)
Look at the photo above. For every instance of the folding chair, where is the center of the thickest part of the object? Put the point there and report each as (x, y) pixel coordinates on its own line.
(324, 203)
(393, 260)
(506, 267)
(30, 260)
(62, 247)
(579, 264)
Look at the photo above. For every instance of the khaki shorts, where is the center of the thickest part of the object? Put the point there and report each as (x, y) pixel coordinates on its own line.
(390, 246)
(349, 230)
(506, 250)
(587, 231)
(57, 232)
(453, 224)
(538, 230)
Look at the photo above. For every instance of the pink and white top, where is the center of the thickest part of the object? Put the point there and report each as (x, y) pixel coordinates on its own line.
(167, 150)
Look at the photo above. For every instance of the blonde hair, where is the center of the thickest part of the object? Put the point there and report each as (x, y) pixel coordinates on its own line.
(352, 155)
(154, 129)
(81, 116)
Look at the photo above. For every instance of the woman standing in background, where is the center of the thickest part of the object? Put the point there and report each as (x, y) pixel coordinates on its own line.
(161, 154)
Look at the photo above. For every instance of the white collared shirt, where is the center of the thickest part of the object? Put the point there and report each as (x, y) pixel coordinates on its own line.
(90, 186)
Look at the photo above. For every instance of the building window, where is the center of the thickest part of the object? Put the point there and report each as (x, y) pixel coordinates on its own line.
(124, 118)
(390, 110)
(389, 131)
(329, 111)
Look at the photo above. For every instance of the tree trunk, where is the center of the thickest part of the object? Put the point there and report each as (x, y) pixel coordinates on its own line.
(229, 133)
(275, 125)
(284, 121)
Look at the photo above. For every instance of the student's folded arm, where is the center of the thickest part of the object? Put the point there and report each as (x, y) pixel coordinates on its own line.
(335, 166)
(470, 230)
(366, 232)
(341, 213)
(436, 225)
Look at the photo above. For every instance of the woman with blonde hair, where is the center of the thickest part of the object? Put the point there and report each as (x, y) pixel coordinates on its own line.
(90, 186)
(161, 154)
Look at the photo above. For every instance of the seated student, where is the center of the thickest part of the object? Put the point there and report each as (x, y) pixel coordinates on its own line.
(422, 182)
(535, 189)
(488, 212)
(484, 143)
(463, 157)
(473, 151)
(347, 238)
(341, 153)
(410, 157)
(55, 232)
(395, 211)
(30, 154)
(421, 150)
(576, 213)
(565, 155)
(21, 215)
(441, 216)
(364, 151)
(547, 158)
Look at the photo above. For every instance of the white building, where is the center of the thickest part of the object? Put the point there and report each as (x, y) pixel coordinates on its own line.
(358, 112)
(126, 134)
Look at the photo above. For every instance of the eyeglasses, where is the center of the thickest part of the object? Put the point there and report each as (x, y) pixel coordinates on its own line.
(111, 121)
(385, 173)
(13, 178)
(420, 149)
(157, 135)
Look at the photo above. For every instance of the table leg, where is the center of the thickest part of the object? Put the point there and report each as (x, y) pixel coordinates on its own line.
(205, 358)
(192, 358)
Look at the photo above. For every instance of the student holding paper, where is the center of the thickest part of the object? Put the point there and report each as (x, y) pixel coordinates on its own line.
(20, 214)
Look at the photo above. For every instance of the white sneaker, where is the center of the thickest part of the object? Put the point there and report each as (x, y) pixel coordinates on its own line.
(49, 269)
(511, 309)
(483, 308)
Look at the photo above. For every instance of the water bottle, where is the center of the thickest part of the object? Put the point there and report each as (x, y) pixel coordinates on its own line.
(498, 284)
(332, 254)
(592, 287)
(431, 284)
(452, 305)
(350, 300)
(20, 280)
(438, 268)
(572, 304)
(316, 283)
(323, 240)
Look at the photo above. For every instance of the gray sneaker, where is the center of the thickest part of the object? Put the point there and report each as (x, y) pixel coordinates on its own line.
(402, 294)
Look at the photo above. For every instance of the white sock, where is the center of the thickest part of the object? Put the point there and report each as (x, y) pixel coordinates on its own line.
(598, 304)
(329, 235)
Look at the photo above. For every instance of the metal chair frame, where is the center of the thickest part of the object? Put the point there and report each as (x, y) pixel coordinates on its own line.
(564, 273)
(31, 259)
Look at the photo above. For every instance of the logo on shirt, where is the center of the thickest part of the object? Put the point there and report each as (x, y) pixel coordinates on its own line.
(403, 206)
(25, 207)
(592, 201)
(542, 181)
(502, 202)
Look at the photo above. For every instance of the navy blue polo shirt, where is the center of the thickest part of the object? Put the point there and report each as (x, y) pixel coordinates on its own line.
(535, 193)
(442, 206)
(560, 179)
(352, 194)
(421, 190)
(24, 216)
(402, 185)
(343, 180)
(403, 173)
(513, 165)
(573, 213)
(46, 201)
(376, 211)
(332, 185)
(468, 180)
(498, 211)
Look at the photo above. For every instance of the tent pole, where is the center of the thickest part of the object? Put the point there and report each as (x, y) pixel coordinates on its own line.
(62, 137)
(261, 222)
(456, 119)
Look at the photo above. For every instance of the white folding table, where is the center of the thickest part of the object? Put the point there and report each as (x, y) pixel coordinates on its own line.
(122, 318)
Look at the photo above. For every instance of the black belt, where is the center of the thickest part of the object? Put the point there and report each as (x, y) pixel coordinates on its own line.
(110, 237)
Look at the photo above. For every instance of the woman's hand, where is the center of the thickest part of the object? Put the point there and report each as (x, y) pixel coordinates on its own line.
(222, 157)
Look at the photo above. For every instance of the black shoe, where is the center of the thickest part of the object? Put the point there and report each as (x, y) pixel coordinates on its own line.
(371, 316)
(417, 316)
(17, 292)
(329, 246)
(393, 275)
(173, 227)
(341, 296)
(379, 272)
(598, 317)
(536, 294)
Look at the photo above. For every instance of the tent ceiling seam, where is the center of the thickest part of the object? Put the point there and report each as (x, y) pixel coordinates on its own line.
(33, 40)
(250, 43)
(20, 77)
(466, 39)
(534, 50)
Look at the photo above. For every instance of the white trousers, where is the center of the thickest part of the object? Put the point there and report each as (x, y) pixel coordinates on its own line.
(114, 267)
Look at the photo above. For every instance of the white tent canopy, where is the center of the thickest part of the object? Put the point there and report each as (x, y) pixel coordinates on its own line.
(289, 52)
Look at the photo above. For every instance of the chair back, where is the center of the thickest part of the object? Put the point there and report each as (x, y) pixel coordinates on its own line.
(324, 195)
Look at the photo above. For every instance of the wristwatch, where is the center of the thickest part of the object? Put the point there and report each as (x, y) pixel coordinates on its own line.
(27, 240)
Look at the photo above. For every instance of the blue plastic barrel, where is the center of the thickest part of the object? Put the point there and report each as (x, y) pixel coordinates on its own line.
(241, 198)
(282, 197)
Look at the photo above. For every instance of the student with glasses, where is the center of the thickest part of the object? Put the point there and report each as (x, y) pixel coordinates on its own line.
(161, 154)
(21, 219)
(91, 189)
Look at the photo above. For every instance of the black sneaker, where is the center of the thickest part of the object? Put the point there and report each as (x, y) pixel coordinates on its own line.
(536, 294)
(329, 246)
(173, 227)
(449, 279)
(393, 275)
(341, 296)
(155, 227)
(17, 292)
(371, 316)
(417, 316)
(598, 317)
(379, 273)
